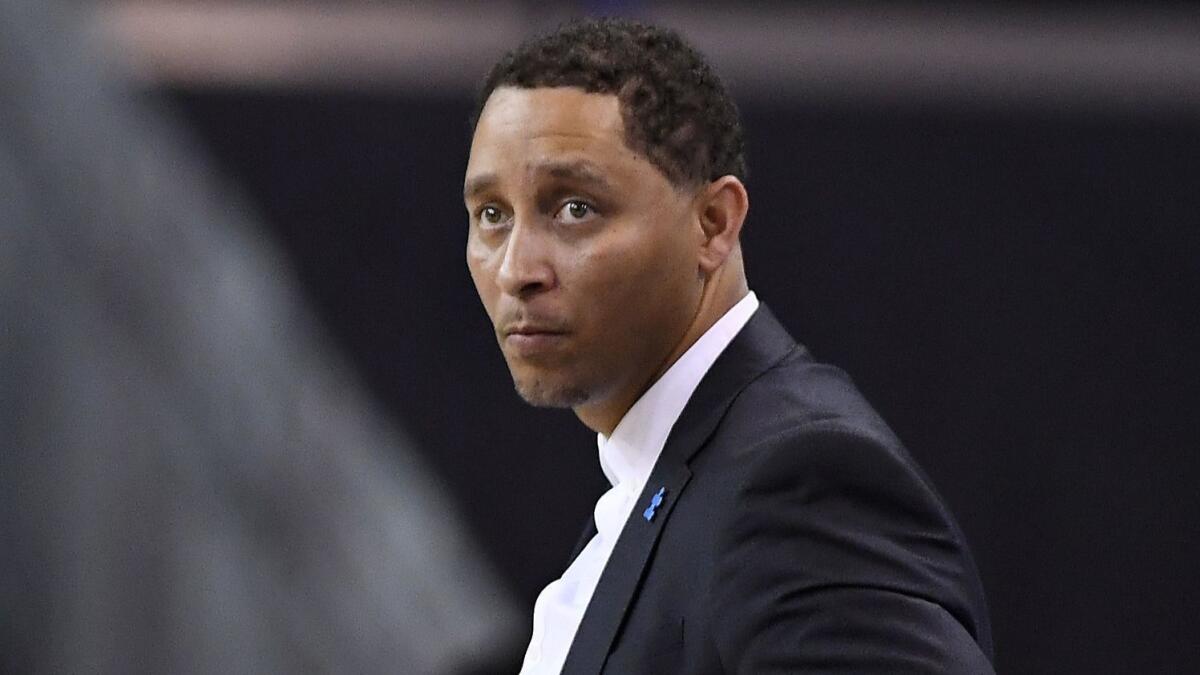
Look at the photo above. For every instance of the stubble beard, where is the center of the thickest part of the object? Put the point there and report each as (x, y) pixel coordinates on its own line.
(539, 393)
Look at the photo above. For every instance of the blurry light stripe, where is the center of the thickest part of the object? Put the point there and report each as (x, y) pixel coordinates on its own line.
(304, 44)
(1126, 59)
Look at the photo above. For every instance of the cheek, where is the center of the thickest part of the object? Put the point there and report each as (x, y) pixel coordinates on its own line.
(636, 279)
(663, 263)
(481, 275)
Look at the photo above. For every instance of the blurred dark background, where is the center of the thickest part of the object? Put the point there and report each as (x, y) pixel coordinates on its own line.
(988, 217)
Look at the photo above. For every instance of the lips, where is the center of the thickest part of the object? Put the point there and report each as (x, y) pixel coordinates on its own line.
(529, 340)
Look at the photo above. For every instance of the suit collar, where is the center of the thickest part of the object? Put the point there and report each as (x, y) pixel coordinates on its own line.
(762, 343)
(628, 455)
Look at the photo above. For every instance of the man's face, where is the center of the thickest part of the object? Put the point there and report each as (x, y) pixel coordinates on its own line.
(583, 253)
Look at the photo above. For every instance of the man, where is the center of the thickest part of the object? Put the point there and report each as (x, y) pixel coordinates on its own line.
(762, 517)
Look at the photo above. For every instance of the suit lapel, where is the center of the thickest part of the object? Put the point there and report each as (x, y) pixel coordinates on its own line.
(624, 570)
(762, 343)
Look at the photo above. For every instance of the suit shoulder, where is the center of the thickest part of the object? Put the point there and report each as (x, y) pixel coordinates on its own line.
(803, 422)
(800, 396)
(818, 476)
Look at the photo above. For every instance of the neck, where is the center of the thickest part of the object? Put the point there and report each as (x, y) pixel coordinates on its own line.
(720, 293)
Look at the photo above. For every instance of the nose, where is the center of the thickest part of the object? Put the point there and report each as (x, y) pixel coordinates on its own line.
(526, 267)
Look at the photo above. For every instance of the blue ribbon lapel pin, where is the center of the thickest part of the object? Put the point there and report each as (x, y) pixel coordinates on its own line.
(655, 502)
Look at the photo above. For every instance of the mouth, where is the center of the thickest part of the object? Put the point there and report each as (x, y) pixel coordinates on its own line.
(531, 340)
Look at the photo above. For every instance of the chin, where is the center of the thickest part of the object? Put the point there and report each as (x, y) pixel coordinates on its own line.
(543, 394)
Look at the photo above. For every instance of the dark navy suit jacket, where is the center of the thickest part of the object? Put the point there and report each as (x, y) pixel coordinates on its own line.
(795, 535)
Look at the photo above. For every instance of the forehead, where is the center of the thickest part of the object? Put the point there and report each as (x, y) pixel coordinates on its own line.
(520, 129)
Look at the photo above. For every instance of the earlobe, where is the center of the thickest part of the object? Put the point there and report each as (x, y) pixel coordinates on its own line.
(722, 213)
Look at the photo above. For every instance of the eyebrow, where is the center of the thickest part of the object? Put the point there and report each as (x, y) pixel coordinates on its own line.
(580, 170)
(478, 184)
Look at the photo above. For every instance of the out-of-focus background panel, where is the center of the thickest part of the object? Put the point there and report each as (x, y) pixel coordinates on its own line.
(985, 213)
(192, 480)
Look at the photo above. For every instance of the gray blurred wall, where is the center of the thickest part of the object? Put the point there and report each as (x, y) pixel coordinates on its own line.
(190, 480)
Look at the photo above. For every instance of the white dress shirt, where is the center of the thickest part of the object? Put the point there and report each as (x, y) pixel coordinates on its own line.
(627, 458)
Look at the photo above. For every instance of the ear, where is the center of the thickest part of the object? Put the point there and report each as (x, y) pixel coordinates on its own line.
(722, 207)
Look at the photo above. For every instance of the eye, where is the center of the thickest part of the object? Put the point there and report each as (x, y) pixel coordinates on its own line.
(490, 216)
(575, 211)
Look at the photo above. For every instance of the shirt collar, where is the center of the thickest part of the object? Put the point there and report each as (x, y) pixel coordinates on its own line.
(627, 456)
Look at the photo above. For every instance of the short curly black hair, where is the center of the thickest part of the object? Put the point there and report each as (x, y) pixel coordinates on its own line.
(675, 109)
